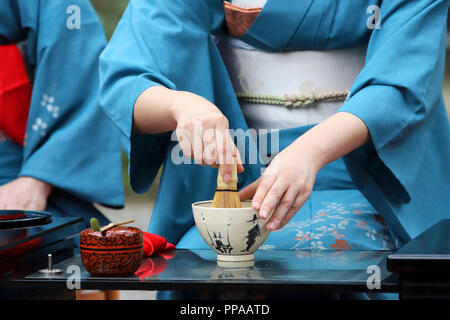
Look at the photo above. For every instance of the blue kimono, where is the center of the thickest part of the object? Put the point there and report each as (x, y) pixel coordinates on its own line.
(403, 171)
(69, 143)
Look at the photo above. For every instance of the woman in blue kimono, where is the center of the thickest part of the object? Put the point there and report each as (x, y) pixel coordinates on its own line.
(69, 158)
(369, 173)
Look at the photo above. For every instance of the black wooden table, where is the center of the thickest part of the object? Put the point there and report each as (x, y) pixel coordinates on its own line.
(423, 264)
(418, 270)
(197, 270)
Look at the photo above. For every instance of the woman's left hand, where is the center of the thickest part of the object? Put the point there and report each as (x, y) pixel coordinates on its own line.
(290, 176)
(25, 193)
(284, 186)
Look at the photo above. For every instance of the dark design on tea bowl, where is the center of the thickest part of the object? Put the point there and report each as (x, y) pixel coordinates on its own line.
(253, 233)
(224, 246)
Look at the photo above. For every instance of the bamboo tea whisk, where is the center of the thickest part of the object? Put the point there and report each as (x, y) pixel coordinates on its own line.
(227, 195)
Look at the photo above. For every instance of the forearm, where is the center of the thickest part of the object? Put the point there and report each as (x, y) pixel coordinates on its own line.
(159, 110)
(25, 193)
(153, 110)
(41, 186)
(333, 138)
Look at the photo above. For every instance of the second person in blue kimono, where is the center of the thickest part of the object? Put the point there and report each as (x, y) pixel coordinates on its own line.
(70, 158)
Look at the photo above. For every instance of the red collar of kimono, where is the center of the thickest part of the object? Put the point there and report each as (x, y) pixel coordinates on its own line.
(239, 19)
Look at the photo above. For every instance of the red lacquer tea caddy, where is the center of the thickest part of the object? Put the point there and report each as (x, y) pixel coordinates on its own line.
(115, 252)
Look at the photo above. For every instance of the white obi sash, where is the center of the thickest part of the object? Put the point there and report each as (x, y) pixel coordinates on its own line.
(260, 72)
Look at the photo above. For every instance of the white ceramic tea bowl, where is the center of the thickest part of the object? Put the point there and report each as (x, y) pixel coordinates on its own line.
(234, 233)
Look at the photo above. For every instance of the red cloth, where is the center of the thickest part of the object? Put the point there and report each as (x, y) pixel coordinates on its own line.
(151, 266)
(157, 251)
(154, 244)
(15, 93)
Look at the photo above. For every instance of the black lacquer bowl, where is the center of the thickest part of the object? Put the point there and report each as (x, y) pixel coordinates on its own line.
(14, 219)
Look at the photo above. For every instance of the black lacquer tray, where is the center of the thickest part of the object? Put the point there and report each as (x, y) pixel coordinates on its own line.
(13, 219)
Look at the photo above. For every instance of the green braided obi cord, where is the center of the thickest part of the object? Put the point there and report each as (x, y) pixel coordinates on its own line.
(292, 101)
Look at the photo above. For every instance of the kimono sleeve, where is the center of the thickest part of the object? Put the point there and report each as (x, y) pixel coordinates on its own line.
(14, 20)
(398, 91)
(156, 43)
(69, 141)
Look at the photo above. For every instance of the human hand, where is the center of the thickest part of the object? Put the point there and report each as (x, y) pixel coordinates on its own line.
(25, 193)
(203, 133)
(290, 177)
(285, 186)
(201, 128)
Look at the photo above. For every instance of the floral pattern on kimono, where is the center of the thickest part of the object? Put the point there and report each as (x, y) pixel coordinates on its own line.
(348, 222)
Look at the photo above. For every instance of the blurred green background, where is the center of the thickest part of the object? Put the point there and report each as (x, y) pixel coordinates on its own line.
(110, 12)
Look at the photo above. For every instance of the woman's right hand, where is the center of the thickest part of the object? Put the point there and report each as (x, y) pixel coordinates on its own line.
(202, 130)
(203, 133)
